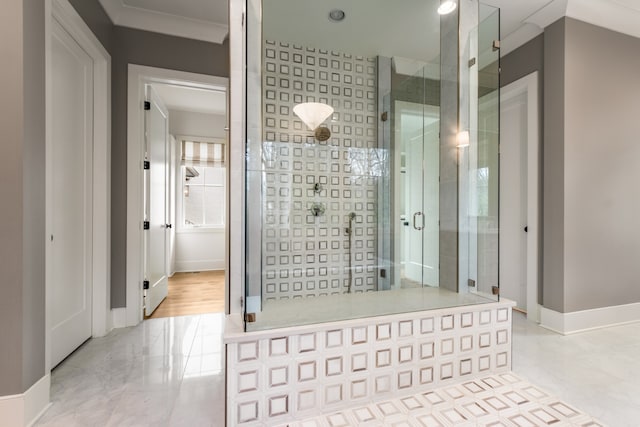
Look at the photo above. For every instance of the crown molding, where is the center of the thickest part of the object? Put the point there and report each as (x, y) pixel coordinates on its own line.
(157, 22)
(616, 15)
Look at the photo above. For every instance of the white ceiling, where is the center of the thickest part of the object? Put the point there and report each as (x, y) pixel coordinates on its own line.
(370, 20)
(191, 99)
(405, 28)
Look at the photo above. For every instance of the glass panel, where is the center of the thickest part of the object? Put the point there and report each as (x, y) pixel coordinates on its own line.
(483, 156)
(330, 208)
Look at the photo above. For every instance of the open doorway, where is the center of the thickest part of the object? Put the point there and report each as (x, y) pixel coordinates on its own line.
(192, 193)
(182, 185)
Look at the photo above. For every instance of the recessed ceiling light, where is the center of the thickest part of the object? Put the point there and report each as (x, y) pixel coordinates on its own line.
(446, 7)
(336, 15)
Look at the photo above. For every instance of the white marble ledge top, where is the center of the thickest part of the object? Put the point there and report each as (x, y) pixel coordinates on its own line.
(234, 331)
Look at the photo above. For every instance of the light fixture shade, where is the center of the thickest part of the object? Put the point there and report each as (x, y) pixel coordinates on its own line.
(313, 113)
(446, 7)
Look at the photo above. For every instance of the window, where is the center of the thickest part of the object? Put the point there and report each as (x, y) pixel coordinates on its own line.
(203, 196)
(203, 184)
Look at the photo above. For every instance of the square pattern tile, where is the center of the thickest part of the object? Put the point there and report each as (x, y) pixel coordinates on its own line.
(304, 255)
(327, 368)
(500, 400)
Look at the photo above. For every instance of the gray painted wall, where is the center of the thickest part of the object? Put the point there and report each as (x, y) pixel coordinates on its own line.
(153, 50)
(523, 61)
(22, 183)
(553, 167)
(591, 242)
(34, 186)
(601, 173)
(97, 19)
(130, 46)
(11, 119)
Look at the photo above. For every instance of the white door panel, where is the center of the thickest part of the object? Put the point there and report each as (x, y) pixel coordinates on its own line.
(417, 194)
(513, 200)
(157, 125)
(71, 195)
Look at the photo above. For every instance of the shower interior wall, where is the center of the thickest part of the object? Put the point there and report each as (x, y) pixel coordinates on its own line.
(305, 255)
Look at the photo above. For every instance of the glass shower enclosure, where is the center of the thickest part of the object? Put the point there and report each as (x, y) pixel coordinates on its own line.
(387, 204)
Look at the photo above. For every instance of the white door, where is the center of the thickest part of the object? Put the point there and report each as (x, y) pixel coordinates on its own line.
(413, 216)
(70, 194)
(513, 199)
(417, 194)
(157, 186)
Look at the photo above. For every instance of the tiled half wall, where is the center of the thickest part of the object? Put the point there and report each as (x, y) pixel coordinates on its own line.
(278, 376)
(305, 255)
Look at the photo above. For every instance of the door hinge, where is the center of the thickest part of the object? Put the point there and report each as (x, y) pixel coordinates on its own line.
(147, 105)
(496, 45)
(145, 225)
(145, 284)
(471, 283)
(147, 165)
(495, 290)
(472, 62)
(384, 116)
(243, 19)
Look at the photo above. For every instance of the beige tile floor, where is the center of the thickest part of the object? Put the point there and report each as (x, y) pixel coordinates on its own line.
(170, 372)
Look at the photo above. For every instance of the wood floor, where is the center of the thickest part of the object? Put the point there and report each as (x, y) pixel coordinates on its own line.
(193, 293)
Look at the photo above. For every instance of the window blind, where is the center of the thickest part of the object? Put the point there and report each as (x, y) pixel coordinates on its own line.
(203, 153)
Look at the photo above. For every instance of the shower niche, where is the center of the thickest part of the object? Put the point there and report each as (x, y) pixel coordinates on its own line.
(360, 196)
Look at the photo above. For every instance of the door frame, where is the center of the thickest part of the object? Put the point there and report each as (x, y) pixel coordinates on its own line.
(138, 77)
(529, 85)
(64, 13)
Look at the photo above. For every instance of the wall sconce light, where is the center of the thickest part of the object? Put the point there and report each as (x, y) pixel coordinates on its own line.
(313, 114)
(463, 139)
(446, 7)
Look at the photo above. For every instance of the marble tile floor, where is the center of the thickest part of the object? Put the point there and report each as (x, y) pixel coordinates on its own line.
(495, 401)
(170, 372)
(596, 371)
(163, 372)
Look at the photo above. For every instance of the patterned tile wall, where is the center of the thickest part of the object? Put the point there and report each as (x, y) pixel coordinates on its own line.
(280, 378)
(305, 255)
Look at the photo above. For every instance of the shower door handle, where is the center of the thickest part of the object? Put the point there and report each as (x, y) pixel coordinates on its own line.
(414, 221)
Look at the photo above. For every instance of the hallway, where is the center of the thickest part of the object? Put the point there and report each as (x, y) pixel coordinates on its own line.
(163, 372)
(193, 293)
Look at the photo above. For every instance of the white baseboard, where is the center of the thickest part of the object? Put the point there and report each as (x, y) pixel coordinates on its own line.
(119, 317)
(23, 410)
(200, 265)
(585, 320)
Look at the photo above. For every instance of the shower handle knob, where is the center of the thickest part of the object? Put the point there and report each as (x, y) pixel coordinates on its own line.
(414, 221)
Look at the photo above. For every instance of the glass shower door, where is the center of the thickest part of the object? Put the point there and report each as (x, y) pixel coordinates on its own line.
(417, 190)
